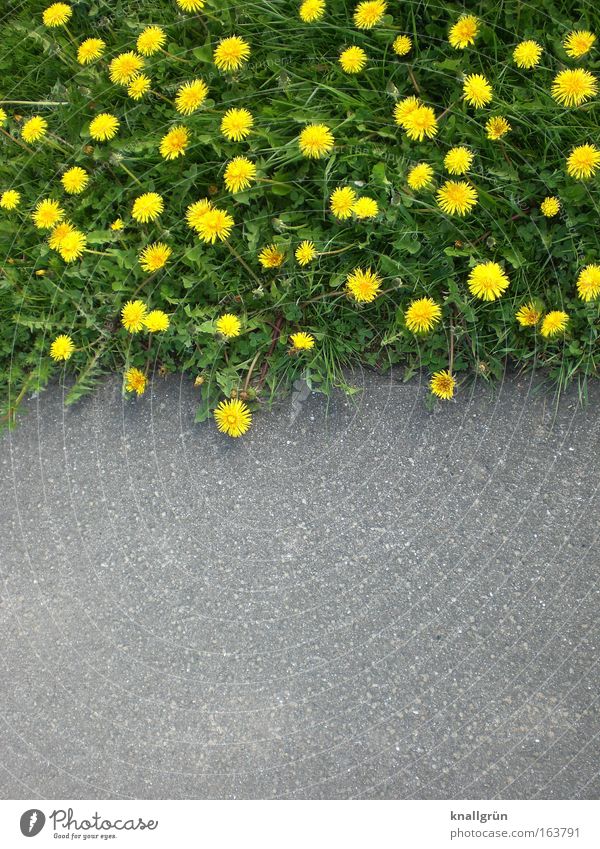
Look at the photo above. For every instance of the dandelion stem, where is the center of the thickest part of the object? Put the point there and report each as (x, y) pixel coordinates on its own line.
(274, 339)
(515, 217)
(57, 142)
(413, 80)
(321, 297)
(71, 36)
(148, 348)
(34, 103)
(16, 141)
(12, 409)
(55, 145)
(505, 155)
(273, 182)
(172, 56)
(339, 250)
(67, 60)
(446, 110)
(162, 97)
(243, 262)
(127, 171)
(250, 370)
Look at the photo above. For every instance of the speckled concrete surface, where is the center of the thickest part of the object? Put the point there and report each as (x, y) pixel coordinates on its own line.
(361, 599)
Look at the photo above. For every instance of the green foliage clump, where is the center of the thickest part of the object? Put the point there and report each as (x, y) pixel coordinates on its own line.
(293, 78)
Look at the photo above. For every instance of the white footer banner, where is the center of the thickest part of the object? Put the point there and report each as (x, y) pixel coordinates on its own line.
(301, 824)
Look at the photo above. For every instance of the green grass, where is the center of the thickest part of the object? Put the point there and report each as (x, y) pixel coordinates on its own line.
(293, 78)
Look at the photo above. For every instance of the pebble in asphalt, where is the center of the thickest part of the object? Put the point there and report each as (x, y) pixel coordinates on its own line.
(361, 598)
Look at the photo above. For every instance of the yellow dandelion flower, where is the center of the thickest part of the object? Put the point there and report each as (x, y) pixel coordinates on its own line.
(420, 123)
(59, 232)
(476, 90)
(228, 325)
(588, 282)
(305, 252)
(342, 202)
(528, 315)
(463, 32)
(154, 256)
(157, 321)
(150, 40)
(124, 67)
(422, 315)
(104, 127)
(57, 15)
(139, 86)
(190, 96)
(236, 124)
(497, 127)
(64, 238)
(488, 281)
(75, 180)
(147, 207)
(365, 208)
(312, 10)
(579, 42)
(527, 54)
(458, 160)
(90, 50)
(353, 60)
(456, 197)
(402, 45)
(231, 53)
(117, 224)
(302, 341)
(316, 141)
(196, 211)
(554, 323)
(368, 13)
(239, 174)
(583, 161)
(363, 285)
(62, 348)
(174, 143)
(133, 316)
(47, 213)
(3, 117)
(574, 86)
(420, 176)
(214, 224)
(550, 207)
(442, 385)
(404, 108)
(233, 417)
(191, 5)
(135, 381)
(10, 199)
(72, 245)
(33, 129)
(271, 257)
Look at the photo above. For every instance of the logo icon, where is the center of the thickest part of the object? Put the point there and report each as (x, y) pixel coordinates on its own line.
(32, 822)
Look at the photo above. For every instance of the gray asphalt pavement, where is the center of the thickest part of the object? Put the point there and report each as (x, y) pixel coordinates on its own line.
(360, 599)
